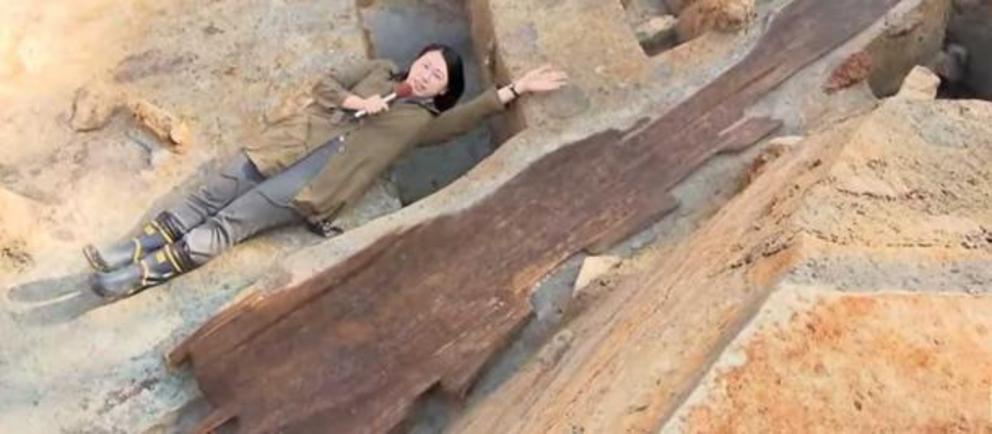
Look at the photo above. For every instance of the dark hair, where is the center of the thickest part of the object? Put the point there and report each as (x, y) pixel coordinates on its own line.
(456, 75)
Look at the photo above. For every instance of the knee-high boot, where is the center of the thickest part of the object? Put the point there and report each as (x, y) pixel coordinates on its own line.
(156, 268)
(163, 229)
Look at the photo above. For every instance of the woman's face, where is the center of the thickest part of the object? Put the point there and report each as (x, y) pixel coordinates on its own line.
(428, 75)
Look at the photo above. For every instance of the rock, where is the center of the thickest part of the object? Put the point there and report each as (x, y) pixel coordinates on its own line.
(639, 12)
(168, 128)
(527, 34)
(657, 33)
(593, 267)
(921, 84)
(807, 356)
(721, 15)
(93, 107)
(855, 69)
(912, 38)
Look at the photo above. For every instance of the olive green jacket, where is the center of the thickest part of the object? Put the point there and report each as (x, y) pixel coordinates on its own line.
(371, 144)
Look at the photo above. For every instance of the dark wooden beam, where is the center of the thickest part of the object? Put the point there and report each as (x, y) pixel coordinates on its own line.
(649, 208)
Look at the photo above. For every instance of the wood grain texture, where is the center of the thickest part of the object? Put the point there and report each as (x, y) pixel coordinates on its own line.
(350, 349)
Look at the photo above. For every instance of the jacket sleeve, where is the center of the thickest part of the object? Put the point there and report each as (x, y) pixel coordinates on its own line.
(333, 87)
(460, 119)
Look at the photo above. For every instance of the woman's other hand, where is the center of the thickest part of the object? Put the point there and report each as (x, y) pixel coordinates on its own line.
(374, 104)
(371, 105)
(543, 79)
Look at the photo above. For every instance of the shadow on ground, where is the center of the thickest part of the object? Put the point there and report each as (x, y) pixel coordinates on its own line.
(59, 300)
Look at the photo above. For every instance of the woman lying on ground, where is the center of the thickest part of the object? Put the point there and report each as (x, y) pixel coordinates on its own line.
(309, 165)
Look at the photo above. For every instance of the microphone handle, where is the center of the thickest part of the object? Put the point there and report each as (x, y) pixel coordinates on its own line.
(388, 99)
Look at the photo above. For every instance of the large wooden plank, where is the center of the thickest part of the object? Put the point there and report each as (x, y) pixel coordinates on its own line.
(351, 349)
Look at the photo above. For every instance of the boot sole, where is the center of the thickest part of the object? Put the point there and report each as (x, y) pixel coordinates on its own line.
(94, 259)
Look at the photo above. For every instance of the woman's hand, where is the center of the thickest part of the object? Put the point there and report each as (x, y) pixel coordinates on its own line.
(374, 104)
(371, 105)
(543, 79)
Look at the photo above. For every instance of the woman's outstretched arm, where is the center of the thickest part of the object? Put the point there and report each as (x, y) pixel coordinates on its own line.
(543, 79)
(464, 117)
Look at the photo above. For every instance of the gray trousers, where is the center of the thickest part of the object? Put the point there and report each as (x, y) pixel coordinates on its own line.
(239, 202)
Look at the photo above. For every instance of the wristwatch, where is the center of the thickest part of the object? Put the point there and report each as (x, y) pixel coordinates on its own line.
(513, 89)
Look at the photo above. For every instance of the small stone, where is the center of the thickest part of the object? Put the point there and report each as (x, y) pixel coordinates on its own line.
(594, 267)
(167, 127)
(181, 134)
(93, 107)
(920, 85)
(657, 33)
(701, 16)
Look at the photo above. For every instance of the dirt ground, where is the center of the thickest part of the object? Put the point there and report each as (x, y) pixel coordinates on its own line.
(68, 363)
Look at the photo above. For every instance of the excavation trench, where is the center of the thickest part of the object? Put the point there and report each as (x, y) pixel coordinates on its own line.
(398, 30)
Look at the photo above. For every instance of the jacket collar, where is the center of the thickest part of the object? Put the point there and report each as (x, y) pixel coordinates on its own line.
(427, 103)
